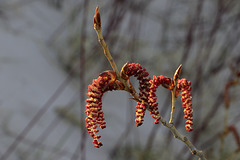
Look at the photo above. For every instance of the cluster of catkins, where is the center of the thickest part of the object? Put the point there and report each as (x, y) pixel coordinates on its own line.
(107, 81)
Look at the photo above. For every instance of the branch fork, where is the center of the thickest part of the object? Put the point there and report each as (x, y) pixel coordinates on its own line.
(146, 98)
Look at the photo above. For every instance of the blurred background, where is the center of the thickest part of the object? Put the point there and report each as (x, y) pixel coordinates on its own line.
(49, 54)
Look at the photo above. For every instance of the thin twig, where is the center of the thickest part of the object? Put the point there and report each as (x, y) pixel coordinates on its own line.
(174, 97)
(131, 90)
(184, 139)
(81, 149)
(97, 27)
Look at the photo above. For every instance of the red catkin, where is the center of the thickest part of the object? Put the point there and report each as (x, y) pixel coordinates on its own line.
(136, 70)
(184, 86)
(107, 81)
(95, 116)
(152, 99)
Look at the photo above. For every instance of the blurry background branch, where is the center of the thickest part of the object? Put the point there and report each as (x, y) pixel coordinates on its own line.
(203, 35)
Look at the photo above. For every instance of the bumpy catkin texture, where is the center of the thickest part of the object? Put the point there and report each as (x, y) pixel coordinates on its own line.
(152, 99)
(184, 86)
(105, 82)
(136, 70)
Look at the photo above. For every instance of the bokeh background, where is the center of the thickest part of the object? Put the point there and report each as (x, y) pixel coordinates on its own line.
(49, 54)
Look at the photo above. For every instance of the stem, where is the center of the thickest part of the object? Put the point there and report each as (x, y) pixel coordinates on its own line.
(182, 138)
(106, 52)
(129, 88)
(225, 129)
(97, 27)
(174, 97)
(176, 133)
(82, 84)
(173, 106)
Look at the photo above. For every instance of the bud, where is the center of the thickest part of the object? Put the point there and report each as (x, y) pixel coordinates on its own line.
(97, 19)
(177, 73)
(124, 70)
(167, 83)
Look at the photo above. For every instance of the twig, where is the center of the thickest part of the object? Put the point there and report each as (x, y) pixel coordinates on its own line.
(82, 60)
(226, 129)
(174, 97)
(131, 90)
(97, 27)
(184, 139)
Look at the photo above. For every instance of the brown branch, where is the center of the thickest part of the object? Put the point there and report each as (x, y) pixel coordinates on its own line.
(97, 27)
(235, 134)
(131, 90)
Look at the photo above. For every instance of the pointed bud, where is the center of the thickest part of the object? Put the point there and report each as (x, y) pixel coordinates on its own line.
(97, 19)
(177, 73)
(124, 70)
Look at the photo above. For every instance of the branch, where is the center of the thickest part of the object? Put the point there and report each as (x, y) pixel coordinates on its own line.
(129, 88)
(97, 27)
(184, 139)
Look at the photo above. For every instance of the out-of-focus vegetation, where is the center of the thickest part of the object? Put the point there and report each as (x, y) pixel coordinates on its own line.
(203, 35)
